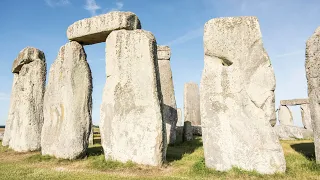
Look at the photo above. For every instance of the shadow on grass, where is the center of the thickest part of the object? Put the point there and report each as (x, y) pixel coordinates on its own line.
(96, 150)
(176, 152)
(306, 149)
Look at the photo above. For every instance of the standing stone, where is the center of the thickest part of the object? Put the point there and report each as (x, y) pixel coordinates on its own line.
(192, 104)
(313, 78)
(25, 119)
(68, 105)
(179, 127)
(187, 131)
(237, 98)
(91, 139)
(180, 120)
(306, 117)
(169, 112)
(285, 116)
(132, 128)
(96, 29)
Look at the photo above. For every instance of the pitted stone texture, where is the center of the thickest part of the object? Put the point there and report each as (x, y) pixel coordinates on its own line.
(164, 53)
(26, 56)
(285, 116)
(25, 119)
(180, 120)
(192, 104)
(306, 117)
(237, 98)
(196, 130)
(187, 131)
(91, 139)
(169, 111)
(68, 105)
(286, 132)
(132, 128)
(96, 29)
(313, 77)
(294, 102)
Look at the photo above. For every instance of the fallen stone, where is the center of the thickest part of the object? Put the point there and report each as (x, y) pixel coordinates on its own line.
(96, 29)
(25, 119)
(312, 66)
(169, 111)
(192, 104)
(196, 130)
(306, 117)
(286, 132)
(294, 102)
(285, 116)
(131, 122)
(237, 98)
(68, 105)
(187, 131)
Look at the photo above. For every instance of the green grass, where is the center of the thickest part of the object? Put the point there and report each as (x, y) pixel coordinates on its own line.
(184, 161)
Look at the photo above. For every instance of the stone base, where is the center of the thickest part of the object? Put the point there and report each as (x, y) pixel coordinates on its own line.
(196, 130)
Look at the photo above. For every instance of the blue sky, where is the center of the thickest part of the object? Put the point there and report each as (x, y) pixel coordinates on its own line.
(285, 26)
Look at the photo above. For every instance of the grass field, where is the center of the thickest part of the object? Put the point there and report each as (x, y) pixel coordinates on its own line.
(184, 161)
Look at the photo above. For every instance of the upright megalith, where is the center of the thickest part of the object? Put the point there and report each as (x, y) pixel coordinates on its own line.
(68, 105)
(25, 119)
(237, 98)
(192, 104)
(96, 29)
(179, 127)
(285, 116)
(169, 111)
(306, 117)
(131, 122)
(313, 78)
(180, 120)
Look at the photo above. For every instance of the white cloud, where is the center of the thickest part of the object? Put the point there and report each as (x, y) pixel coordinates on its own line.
(53, 3)
(92, 7)
(187, 37)
(4, 96)
(118, 6)
(290, 53)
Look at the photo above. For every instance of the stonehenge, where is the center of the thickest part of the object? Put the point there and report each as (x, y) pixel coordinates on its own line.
(96, 29)
(294, 102)
(132, 126)
(25, 118)
(312, 66)
(67, 105)
(306, 117)
(169, 111)
(192, 104)
(285, 116)
(288, 132)
(179, 127)
(237, 98)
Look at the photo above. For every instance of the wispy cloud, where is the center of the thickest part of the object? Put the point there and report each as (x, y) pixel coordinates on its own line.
(4, 96)
(187, 37)
(92, 7)
(290, 53)
(53, 3)
(118, 6)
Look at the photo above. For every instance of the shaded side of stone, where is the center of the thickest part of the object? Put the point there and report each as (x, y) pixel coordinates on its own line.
(192, 104)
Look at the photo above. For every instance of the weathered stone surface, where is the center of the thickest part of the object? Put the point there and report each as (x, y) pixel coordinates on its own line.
(306, 117)
(313, 77)
(273, 120)
(196, 130)
(237, 98)
(1, 136)
(294, 102)
(180, 120)
(179, 133)
(164, 53)
(96, 29)
(192, 104)
(285, 116)
(25, 119)
(187, 131)
(169, 111)
(132, 128)
(68, 105)
(91, 140)
(286, 132)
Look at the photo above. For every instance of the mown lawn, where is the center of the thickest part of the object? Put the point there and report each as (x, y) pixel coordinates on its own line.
(184, 161)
